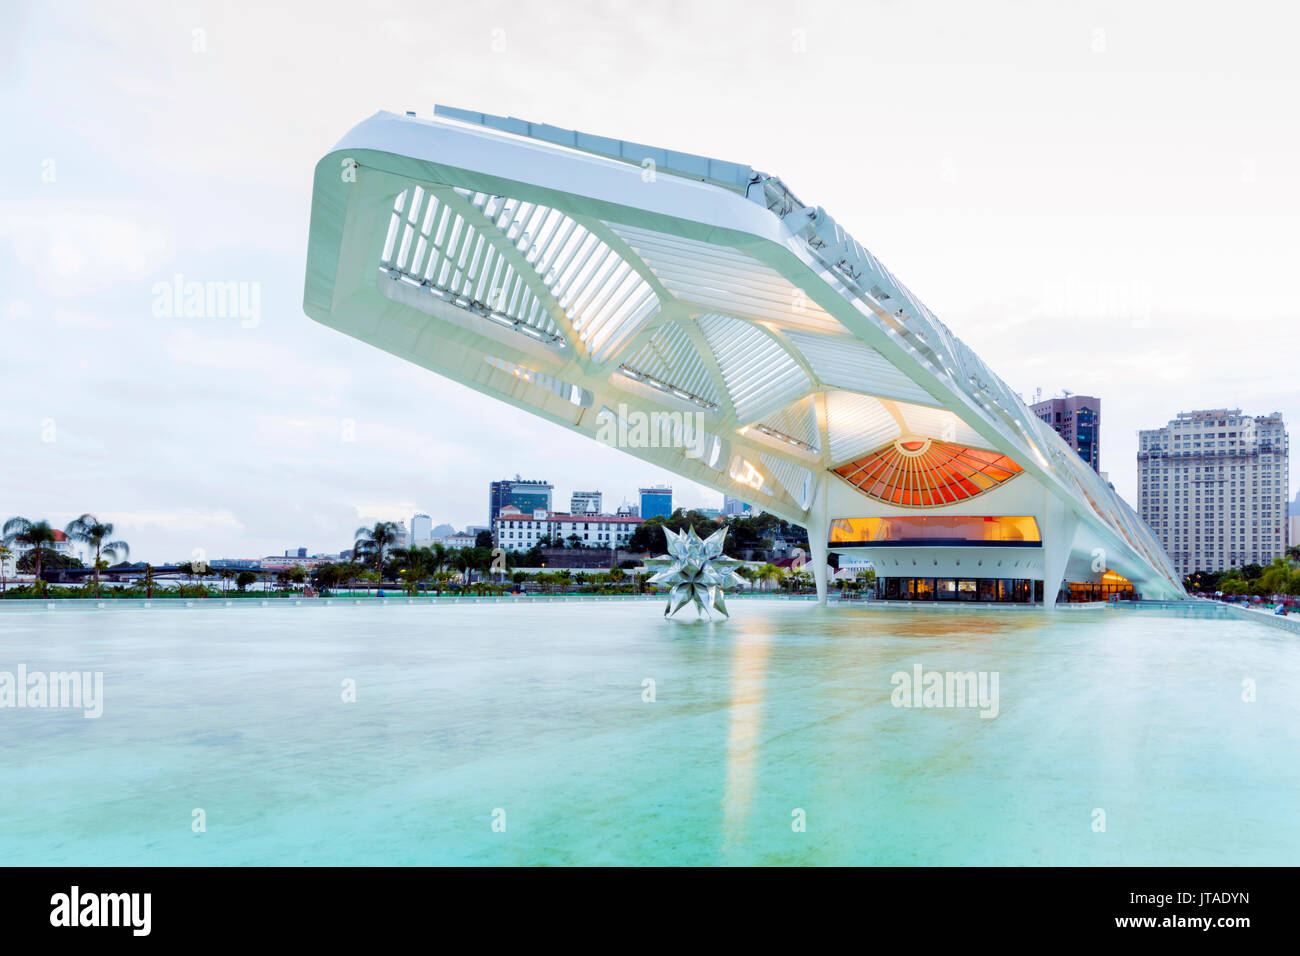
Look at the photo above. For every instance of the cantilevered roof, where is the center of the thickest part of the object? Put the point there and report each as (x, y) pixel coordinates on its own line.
(731, 175)
(592, 281)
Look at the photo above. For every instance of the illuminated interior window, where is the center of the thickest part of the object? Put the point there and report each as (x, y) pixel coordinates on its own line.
(920, 472)
(937, 531)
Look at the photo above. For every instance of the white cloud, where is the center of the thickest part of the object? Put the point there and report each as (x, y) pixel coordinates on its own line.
(74, 251)
(184, 520)
(387, 511)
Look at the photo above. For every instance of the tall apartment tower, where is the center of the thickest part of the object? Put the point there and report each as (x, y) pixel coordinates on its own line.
(1212, 484)
(1293, 522)
(1077, 419)
(734, 506)
(586, 503)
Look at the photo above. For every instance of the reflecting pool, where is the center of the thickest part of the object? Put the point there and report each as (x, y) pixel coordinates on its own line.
(600, 733)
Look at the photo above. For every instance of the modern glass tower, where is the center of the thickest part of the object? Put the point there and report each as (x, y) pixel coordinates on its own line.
(696, 314)
(1077, 419)
(526, 495)
(656, 502)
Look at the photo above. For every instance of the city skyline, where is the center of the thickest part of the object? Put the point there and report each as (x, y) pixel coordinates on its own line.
(405, 523)
(265, 430)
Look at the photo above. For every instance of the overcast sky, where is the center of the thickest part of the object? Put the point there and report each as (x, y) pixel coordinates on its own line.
(1101, 197)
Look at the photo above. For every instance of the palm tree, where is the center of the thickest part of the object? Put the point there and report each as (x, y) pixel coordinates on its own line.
(191, 570)
(464, 563)
(35, 535)
(375, 542)
(328, 577)
(5, 554)
(440, 556)
(89, 530)
(419, 562)
(349, 574)
(768, 574)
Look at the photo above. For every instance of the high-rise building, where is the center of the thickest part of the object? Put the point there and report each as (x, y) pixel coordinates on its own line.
(527, 496)
(586, 503)
(734, 506)
(656, 502)
(421, 527)
(1293, 522)
(1077, 419)
(1212, 485)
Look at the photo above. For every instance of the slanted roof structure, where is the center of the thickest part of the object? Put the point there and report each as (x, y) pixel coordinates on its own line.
(695, 314)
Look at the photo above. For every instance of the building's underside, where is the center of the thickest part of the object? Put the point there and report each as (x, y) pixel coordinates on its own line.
(696, 315)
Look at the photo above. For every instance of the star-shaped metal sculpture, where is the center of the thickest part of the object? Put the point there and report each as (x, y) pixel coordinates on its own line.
(696, 570)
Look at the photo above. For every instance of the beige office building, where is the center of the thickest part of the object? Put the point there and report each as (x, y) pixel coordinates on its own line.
(1212, 485)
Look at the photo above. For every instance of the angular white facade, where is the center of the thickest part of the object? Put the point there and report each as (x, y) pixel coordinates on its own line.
(697, 315)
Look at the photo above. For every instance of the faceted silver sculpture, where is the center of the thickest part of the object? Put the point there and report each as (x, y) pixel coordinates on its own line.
(697, 571)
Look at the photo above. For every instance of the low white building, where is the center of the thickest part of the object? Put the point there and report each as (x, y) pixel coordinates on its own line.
(275, 562)
(517, 531)
(62, 545)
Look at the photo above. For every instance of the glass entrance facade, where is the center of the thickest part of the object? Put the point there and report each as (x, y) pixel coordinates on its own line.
(1112, 587)
(986, 590)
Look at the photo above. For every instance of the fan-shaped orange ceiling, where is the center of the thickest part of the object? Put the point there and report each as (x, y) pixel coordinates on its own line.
(922, 472)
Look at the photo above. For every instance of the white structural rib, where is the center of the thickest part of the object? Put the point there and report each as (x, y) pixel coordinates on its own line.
(761, 376)
(594, 281)
(670, 356)
(718, 278)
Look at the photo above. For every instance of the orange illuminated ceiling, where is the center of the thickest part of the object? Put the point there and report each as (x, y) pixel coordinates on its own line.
(921, 472)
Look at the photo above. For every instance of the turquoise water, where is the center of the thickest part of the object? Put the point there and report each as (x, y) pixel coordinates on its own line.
(537, 710)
